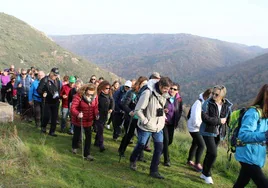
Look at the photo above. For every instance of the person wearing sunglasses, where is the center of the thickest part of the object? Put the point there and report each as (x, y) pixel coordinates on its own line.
(173, 110)
(93, 79)
(106, 106)
(216, 113)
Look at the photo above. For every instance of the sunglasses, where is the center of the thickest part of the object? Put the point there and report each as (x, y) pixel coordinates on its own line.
(107, 88)
(23, 73)
(216, 94)
(93, 79)
(173, 89)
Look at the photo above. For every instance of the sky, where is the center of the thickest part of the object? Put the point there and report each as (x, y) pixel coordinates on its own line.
(240, 21)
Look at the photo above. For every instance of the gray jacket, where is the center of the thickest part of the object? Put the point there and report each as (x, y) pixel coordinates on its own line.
(146, 111)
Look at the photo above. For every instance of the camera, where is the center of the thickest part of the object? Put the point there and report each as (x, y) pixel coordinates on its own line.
(159, 112)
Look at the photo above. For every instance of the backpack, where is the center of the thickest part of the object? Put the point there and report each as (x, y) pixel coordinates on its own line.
(189, 113)
(234, 127)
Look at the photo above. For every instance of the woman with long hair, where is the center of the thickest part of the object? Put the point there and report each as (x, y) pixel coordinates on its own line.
(216, 113)
(84, 111)
(254, 136)
(106, 106)
(128, 104)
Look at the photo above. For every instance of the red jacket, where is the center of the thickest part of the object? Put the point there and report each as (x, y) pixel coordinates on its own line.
(90, 111)
(65, 91)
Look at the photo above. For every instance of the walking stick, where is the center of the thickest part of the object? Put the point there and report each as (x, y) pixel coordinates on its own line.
(125, 141)
(82, 148)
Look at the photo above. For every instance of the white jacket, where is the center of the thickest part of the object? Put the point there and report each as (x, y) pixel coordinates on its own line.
(195, 118)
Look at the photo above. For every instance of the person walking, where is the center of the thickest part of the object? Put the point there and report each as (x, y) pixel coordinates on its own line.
(150, 112)
(193, 124)
(216, 112)
(106, 106)
(4, 79)
(254, 136)
(49, 89)
(84, 111)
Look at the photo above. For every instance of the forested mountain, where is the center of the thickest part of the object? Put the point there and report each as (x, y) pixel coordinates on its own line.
(24, 46)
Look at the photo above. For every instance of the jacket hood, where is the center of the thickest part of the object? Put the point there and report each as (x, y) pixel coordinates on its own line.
(201, 97)
(151, 84)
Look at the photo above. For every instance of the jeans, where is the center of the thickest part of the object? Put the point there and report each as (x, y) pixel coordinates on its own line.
(197, 147)
(64, 115)
(211, 154)
(158, 147)
(248, 172)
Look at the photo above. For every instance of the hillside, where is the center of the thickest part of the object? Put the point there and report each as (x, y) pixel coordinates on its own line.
(30, 159)
(181, 56)
(24, 46)
(243, 81)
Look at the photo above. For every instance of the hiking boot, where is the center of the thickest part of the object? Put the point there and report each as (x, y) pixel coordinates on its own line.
(156, 175)
(167, 164)
(133, 166)
(52, 134)
(89, 158)
(74, 151)
(198, 167)
(208, 179)
(102, 149)
(43, 130)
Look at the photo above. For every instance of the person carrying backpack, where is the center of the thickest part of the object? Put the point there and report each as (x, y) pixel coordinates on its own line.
(151, 121)
(254, 136)
(193, 124)
(216, 113)
(118, 114)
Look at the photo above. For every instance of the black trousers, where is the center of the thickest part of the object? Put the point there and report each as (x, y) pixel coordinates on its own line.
(3, 93)
(50, 112)
(37, 112)
(168, 133)
(248, 172)
(25, 108)
(197, 147)
(117, 121)
(211, 153)
(100, 127)
(76, 137)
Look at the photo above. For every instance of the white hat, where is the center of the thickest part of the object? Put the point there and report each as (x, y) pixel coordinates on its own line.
(128, 83)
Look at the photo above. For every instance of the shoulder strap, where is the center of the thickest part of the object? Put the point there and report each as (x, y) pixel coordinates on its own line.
(158, 99)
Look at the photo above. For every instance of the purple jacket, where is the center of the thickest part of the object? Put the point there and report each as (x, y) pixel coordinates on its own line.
(4, 80)
(174, 111)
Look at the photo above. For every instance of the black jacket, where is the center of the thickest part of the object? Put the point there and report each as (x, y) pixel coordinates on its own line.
(51, 87)
(106, 103)
(129, 102)
(212, 119)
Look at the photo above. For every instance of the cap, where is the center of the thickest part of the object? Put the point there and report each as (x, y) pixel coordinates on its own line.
(55, 71)
(72, 79)
(128, 83)
(155, 75)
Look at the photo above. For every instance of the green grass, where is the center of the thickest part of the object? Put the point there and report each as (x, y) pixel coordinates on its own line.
(31, 159)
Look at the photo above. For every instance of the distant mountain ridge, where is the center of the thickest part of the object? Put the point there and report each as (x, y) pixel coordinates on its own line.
(25, 46)
(181, 56)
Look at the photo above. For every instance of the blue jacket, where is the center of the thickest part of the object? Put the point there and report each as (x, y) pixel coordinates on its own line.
(33, 95)
(118, 96)
(26, 84)
(253, 132)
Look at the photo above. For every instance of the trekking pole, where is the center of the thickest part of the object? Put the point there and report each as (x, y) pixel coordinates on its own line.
(82, 148)
(125, 141)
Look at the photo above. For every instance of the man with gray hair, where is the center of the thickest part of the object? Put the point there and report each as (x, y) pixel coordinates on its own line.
(35, 100)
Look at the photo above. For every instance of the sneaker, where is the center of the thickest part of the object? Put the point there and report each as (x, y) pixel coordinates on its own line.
(74, 151)
(89, 158)
(198, 167)
(133, 166)
(156, 175)
(208, 179)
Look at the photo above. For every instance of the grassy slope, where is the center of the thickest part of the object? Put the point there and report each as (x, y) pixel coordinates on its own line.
(42, 161)
(24, 46)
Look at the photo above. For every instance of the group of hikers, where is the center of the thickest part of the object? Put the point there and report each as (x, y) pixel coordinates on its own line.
(149, 108)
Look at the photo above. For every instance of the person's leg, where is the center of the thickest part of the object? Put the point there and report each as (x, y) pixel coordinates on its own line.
(117, 121)
(193, 148)
(127, 137)
(99, 136)
(3, 93)
(200, 147)
(46, 117)
(37, 112)
(244, 176)
(158, 149)
(64, 115)
(54, 108)
(257, 175)
(87, 131)
(165, 144)
(211, 155)
(76, 137)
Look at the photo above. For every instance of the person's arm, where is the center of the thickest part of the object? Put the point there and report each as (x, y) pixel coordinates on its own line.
(206, 118)
(111, 107)
(30, 94)
(196, 111)
(41, 86)
(249, 125)
(116, 100)
(75, 105)
(180, 110)
(126, 102)
(142, 105)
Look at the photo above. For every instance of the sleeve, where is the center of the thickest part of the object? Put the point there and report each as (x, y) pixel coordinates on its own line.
(196, 113)
(96, 107)
(111, 103)
(70, 97)
(247, 132)
(126, 101)
(75, 105)
(62, 91)
(17, 82)
(142, 105)
(41, 86)
(206, 118)
(116, 100)
(180, 110)
(30, 94)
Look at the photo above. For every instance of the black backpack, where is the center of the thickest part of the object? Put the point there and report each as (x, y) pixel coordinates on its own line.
(189, 113)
